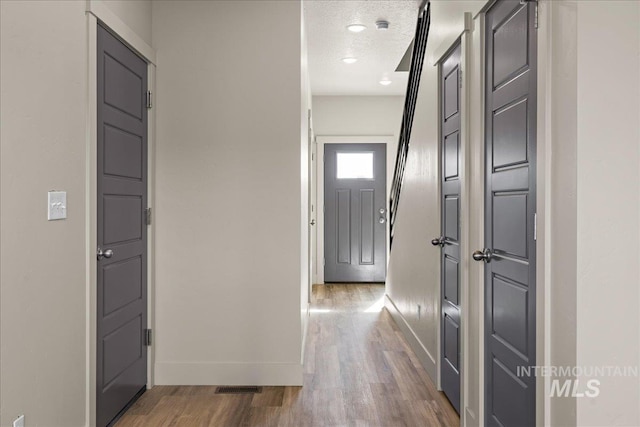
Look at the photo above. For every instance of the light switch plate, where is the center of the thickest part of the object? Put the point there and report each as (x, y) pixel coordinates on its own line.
(56, 205)
(19, 422)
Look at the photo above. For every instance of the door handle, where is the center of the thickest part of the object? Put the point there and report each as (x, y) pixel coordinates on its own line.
(483, 255)
(313, 222)
(106, 254)
(438, 241)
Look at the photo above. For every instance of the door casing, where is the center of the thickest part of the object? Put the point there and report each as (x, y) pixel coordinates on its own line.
(450, 250)
(321, 140)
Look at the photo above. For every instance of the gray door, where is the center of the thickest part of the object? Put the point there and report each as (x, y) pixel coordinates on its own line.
(510, 206)
(355, 238)
(450, 235)
(122, 233)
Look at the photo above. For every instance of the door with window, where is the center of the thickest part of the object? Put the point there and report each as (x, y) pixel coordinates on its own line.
(355, 216)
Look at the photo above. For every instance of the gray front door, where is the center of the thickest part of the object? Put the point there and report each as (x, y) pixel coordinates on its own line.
(510, 206)
(355, 238)
(121, 369)
(450, 226)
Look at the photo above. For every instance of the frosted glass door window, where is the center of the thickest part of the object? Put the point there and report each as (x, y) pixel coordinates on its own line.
(355, 165)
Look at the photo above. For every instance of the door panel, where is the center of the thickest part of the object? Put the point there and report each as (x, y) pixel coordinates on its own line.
(343, 214)
(509, 212)
(450, 220)
(367, 240)
(122, 197)
(451, 217)
(355, 239)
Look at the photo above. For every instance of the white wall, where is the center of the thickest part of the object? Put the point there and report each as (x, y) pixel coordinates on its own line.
(43, 133)
(357, 115)
(608, 183)
(136, 14)
(42, 293)
(228, 192)
(305, 254)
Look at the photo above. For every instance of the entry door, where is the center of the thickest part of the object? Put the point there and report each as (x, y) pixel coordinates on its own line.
(450, 226)
(510, 206)
(355, 238)
(122, 232)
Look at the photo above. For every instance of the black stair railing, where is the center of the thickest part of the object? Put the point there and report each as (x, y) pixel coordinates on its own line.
(417, 61)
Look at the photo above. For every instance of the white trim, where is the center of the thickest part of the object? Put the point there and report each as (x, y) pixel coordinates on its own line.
(543, 208)
(321, 141)
(426, 359)
(98, 9)
(476, 194)
(229, 373)
(438, 203)
(465, 216)
(305, 331)
(151, 230)
(91, 201)
(91, 217)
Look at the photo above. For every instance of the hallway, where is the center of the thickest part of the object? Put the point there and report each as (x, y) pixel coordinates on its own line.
(358, 371)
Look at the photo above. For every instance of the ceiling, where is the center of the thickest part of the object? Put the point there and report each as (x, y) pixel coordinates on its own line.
(378, 52)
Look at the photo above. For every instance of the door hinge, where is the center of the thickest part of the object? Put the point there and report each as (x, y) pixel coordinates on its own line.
(148, 99)
(147, 216)
(535, 226)
(460, 77)
(535, 11)
(148, 334)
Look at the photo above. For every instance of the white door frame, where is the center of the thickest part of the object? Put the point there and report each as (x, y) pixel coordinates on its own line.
(312, 213)
(97, 11)
(320, 143)
(464, 217)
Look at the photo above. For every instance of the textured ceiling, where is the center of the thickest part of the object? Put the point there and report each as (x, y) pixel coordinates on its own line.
(378, 52)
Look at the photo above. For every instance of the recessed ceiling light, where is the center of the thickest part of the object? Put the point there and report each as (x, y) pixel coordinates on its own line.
(356, 28)
(385, 82)
(349, 60)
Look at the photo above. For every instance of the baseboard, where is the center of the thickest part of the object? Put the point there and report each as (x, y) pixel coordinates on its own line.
(305, 331)
(470, 418)
(427, 361)
(202, 373)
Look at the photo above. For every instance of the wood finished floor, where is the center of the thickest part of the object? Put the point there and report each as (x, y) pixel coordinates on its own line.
(358, 371)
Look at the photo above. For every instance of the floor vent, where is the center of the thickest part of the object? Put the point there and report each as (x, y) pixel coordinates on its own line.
(238, 390)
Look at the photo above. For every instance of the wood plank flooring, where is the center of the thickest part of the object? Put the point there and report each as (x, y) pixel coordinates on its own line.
(358, 371)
